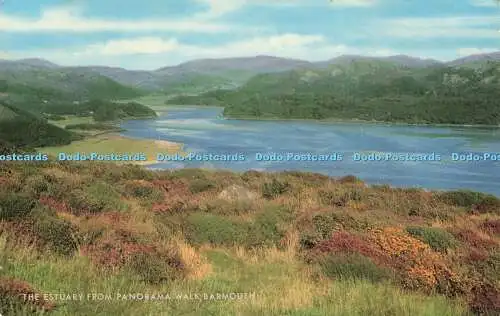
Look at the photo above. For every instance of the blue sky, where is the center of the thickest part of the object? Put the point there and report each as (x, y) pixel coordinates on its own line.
(148, 34)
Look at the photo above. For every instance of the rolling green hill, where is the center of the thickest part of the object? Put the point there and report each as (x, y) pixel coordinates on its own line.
(62, 84)
(367, 90)
(6, 113)
(24, 130)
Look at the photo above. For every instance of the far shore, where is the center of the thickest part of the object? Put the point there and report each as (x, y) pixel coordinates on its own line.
(328, 120)
(356, 121)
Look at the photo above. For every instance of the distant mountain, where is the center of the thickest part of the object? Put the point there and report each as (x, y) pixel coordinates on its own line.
(37, 62)
(256, 64)
(475, 59)
(224, 73)
(135, 78)
(399, 60)
(23, 64)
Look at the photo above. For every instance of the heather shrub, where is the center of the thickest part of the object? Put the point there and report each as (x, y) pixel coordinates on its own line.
(492, 226)
(115, 173)
(308, 178)
(250, 175)
(354, 266)
(328, 222)
(489, 266)
(485, 299)
(275, 188)
(325, 224)
(265, 229)
(98, 197)
(55, 234)
(142, 191)
(348, 243)
(309, 240)
(478, 201)
(12, 301)
(474, 239)
(200, 185)
(15, 206)
(215, 229)
(438, 239)
(156, 267)
(36, 185)
(228, 207)
(340, 196)
(188, 173)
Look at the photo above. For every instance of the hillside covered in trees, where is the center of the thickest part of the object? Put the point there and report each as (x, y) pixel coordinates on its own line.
(367, 90)
(29, 98)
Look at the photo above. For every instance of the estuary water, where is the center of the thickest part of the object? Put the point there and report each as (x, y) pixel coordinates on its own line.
(202, 130)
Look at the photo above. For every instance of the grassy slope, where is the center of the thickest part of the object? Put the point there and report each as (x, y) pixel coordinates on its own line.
(288, 237)
(58, 84)
(6, 113)
(109, 143)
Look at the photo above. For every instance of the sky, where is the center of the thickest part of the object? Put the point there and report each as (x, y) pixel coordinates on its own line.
(149, 34)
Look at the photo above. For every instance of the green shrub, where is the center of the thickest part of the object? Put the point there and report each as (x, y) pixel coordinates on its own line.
(274, 188)
(265, 229)
(156, 268)
(214, 229)
(188, 173)
(56, 235)
(354, 266)
(325, 224)
(144, 192)
(89, 237)
(227, 207)
(98, 197)
(13, 303)
(437, 238)
(479, 201)
(16, 206)
(200, 185)
(309, 240)
(36, 185)
(341, 196)
(116, 173)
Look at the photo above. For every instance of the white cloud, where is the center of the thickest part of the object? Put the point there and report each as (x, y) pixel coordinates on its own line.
(68, 19)
(155, 52)
(353, 3)
(451, 27)
(484, 3)
(144, 45)
(5, 55)
(279, 44)
(467, 51)
(217, 8)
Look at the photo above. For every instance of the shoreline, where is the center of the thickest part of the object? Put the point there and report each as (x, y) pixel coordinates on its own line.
(356, 121)
(113, 142)
(329, 120)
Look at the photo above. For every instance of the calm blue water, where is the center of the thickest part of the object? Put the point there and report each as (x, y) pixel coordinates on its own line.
(200, 130)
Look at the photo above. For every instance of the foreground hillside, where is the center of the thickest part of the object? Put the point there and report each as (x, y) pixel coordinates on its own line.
(289, 243)
(367, 90)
